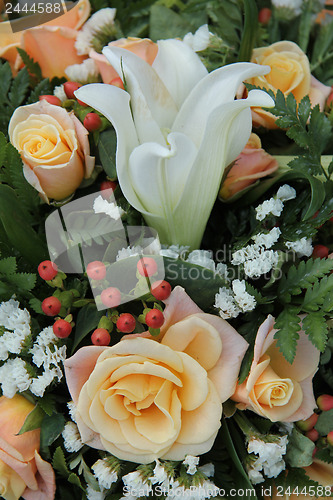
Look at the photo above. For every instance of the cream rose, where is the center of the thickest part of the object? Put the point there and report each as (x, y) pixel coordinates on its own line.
(274, 388)
(54, 148)
(290, 73)
(144, 399)
(22, 470)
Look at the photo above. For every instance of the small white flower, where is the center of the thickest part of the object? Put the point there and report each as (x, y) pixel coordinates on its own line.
(274, 469)
(270, 456)
(267, 240)
(272, 206)
(104, 474)
(255, 476)
(102, 206)
(39, 384)
(191, 463)
(14, 377)
(72, 438)
(72, 410)
(202, 258)
(225, 302)
(200, 40)
(86, 72)
(286, 192)
(93, 494)
(133, 481)
(302, 247)
(60, 93)
(159, 474)
(46, 337)
(293, 6)
(12, 317)
(97, 22)
(222, 270)
(245, 301)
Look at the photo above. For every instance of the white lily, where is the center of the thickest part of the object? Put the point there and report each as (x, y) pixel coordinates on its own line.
(177, 127)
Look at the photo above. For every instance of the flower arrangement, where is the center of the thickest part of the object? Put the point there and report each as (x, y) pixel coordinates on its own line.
(166, 251)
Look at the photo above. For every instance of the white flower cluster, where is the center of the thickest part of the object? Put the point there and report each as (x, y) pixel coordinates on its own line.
(199, 40)
(293, 7)
(16, 323)
(102, 206)
(269, 461)
(104, 474)
(71, 437)
(232, 302)
(275, 204)
(134, 483)
(191, 464)
(72, 410)
(258, 259)
(59, 92)
(94, 495)
(14, 377)
(46, 354)
(302, 247)
(86, 72)
(96, 23)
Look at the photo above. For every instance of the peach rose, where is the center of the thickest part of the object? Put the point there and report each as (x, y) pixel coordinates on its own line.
(50, 44)
(274, 388)
(318, 471)
(54, 148)
(252, 164)
(144, 399)
(144, 48)
(290, 73)
(22, 471)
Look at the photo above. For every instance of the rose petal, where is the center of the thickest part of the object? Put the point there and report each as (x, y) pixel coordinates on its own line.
(45, 479)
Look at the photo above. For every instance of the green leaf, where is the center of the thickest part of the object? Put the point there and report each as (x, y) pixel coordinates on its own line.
(165, 23)
(51, 428)
(87, 320)
(8, 265)
(32, 66)
(21, 235)
(48, 403)
(288, 327)
(24, 281)
(315, 326)
(303, 276)
(299, 450)
(74, 479)
(315, 296)
(19, 88)
(33, 420)
(43, 88)
(36, 305)
(107, 146)
(59, 463)
(304, 110)
(249, 30)
(5, 81)
(324, 423)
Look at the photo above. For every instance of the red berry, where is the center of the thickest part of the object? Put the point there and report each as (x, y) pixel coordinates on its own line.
(51, 99)
(147, 266)
(69, 88)
(111, 297)
(320, 251)
(92, 122)
(62, 328)
(126, 323)
(330, 438)
(107, 188)
(100, 336)
(117, 82)
(96, 270)
(161, 290)
(313, 435)
(264, 15)
(47, 270)
(325, 402)
(155, 318)
(308, 424)
(51, 306)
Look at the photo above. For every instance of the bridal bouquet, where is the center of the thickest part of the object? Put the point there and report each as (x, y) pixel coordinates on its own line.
(166, 249)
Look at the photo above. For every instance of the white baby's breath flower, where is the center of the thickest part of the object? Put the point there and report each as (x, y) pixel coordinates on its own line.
(267, 240)
(191, 463)
(199, 40)
(159, 474)
(270, 455)
(72, 438)
(104, 474)
(266, 261)
(302, 247)
(14, 377)
(12, 317)
(72, 410)
(46, 337)
(102, 206)
(272, 206)
(40, 383)
(93, 494)
(133, 482)
(286, 193)
(255, 476)
(59, 92)
(86, 72)
(225, 302)
(245, 301)
(222, 270)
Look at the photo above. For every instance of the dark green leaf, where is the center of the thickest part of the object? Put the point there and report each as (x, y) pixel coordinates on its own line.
(23, 281)
(288, 327)
(43, 88)
(107, 146)
(87, 320)
(315, 325)
(249, 30)
(5, 80)
(32, 66)
(36, 305)
(165, 23)
(33, 420)
(315, 297)
(299, 450)
(8, 265)
(324, 423)
(19, 88)
(59, 463)
(52, 427)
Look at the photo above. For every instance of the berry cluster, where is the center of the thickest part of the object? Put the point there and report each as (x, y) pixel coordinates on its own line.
(309, 426)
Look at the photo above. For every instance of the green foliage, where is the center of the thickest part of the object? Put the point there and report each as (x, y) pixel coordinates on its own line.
(13, 282)
(87, 320)
(316, 296)
(51, 428)
(107, 145)
(324, 423)
(32, 66)
(249, 30)
(33, 420)
(12, 92)
(42, 88)
(315, 326)
(299, 450)
(288, 326)
(59, 463)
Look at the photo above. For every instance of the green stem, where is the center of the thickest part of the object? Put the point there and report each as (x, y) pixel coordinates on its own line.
(245, 425)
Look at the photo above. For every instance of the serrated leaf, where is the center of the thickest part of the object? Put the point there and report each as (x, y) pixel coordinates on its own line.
(24, 281)
(324, 424)
(288, 327)
(43, 88)
(297, 134)
(48, 404)
(315, 297)
(315, 326)
(33, 420)
(59, 463)
(74, 479)
(36, 305)
(304, 109)
(8, 265)
(305, 275)
(19, 88)
(5, 81)
(32, 66)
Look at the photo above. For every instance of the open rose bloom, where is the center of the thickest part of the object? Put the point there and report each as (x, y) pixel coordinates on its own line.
(144, 399)
(276, 389)
(54, 148)
(22, 471)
